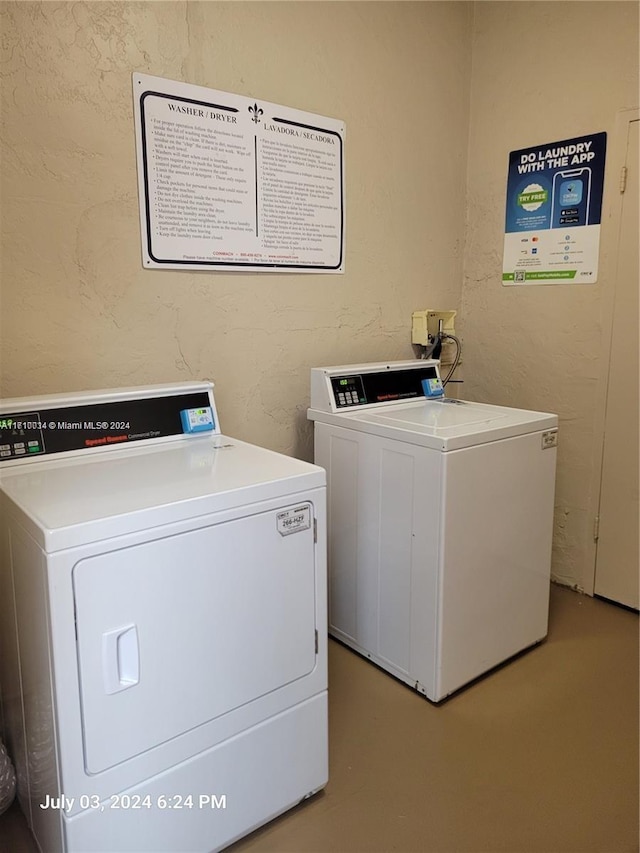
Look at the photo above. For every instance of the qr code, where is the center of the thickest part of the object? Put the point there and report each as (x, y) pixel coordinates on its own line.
(519, 275)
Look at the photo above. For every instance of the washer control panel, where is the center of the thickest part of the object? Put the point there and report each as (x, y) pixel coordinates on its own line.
(385, 386)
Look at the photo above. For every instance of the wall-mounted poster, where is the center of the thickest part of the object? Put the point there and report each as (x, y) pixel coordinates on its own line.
(233, 183)
(554, 205)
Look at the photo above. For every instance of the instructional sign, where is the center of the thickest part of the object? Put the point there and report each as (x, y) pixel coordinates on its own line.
(554, 205)
(231, 183)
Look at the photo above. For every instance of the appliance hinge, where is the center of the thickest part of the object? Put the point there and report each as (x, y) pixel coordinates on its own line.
(315, 529)
(596, 528)
(316, 642)
(623, 179)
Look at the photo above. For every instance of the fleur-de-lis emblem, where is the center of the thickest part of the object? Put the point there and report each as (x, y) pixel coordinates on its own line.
(256, 113)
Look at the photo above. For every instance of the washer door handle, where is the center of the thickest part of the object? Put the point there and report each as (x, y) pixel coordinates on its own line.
(120, 659)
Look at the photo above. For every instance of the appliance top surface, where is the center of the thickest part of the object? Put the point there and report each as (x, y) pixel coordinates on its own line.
(445, 416)
(119, 492)
(443, 424)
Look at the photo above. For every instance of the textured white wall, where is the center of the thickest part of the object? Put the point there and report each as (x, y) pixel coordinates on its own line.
(543, 72)
(78, 311)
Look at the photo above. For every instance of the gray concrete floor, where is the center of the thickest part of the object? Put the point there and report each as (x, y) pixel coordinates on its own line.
(539, 756)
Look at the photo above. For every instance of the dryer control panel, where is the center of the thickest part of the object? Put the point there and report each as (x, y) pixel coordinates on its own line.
(42, 426)
(335, 389)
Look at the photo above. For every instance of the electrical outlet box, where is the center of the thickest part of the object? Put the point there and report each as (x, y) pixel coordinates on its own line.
(426, 323)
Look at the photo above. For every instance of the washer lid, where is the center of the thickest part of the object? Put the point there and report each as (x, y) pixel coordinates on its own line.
(75, 501)
(443, 424)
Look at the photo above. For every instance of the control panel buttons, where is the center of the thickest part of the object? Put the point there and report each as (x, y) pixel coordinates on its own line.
(347, 391)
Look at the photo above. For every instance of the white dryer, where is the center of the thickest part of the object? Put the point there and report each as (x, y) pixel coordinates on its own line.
(163, 622)
(440, 516)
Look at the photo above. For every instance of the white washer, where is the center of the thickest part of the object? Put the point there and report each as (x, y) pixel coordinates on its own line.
(163, 622)
(440, 522)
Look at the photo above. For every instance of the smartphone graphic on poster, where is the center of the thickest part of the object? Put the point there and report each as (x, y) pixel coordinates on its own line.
(570, 198)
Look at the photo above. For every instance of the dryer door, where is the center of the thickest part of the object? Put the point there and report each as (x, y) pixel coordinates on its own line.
(178, 631)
